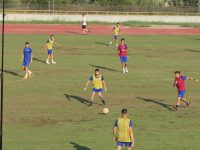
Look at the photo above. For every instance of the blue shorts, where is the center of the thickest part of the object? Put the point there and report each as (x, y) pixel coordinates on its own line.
(116, 37)
(26, 63)
(50, 52)
(123, 59)
(98, 90)
(181, 94)
(126, 144)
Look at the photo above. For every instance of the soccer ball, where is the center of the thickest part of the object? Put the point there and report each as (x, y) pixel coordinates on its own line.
(105, 110)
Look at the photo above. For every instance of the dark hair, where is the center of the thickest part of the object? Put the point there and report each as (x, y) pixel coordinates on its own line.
(51, 35)
(83, 14)
(117, 22)
(48, 41)
(122, 39)
(96, 70)
(177, 72)
(26, 43)
(124, 111)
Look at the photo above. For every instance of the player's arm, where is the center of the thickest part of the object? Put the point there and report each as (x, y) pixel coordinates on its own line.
(115, 133)
(174, 84)
(104, 84)
(131, 135)
(87, 84)
(22, 58)
(31, 57)
(190, 78)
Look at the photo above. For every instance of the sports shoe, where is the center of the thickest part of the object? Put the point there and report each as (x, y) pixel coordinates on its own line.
(110, 43)
(188, 104)
(90, 103)
(47, 62)
(175, 107)
(25, 77)
(126, 70)
(30, 73)
(53, 62)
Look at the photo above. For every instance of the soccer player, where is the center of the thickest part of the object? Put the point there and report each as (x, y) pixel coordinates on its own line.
(122, 49)
(99, 83)
(84, 24)
(49, 47)
(180, 84)
(123, 131)
(27, 59)
(116, 31)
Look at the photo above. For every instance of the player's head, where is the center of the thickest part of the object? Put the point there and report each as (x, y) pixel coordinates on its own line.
(83, 14)
(27, 44)
(48, 41)
(97, 72)
(122, 40)
(51, 36)
(177, 74)
(124, 112)
(117, 24)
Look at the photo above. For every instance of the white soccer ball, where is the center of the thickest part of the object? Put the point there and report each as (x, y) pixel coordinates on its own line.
(105, 110)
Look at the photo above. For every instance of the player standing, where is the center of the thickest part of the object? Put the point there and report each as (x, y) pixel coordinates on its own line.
(98, 82)
(116, 31)
(84, 24)
(49, 47)
(180, 84)
(122, 49)
(123, 131)
(27, 59)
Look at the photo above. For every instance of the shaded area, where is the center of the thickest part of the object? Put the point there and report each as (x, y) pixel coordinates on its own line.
(158, 102)
(101, 43)
(105, 68)
(12, 73)
(78, 98)
(79, 147)
(191, 50)
(39, 60)
(72, 32)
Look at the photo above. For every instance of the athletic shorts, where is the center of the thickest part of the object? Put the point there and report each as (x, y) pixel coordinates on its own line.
(123, 59)
(84, 26)
(126, 144)
(181, 94)
(26, 62)
(50, 52)
(98, 90)
(116, 37)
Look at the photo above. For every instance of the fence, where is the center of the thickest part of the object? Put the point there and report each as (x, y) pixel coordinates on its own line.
(60, 12)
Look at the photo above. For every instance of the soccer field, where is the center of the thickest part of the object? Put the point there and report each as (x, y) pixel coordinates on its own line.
(50, 111)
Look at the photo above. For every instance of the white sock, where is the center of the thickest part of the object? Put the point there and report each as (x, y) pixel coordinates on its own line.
(26, 74)
(47, 60)
(124, 70)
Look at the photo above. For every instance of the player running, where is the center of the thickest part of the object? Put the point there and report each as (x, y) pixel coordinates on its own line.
(122, 49)
(98, 82)
(84, 24)
(27, 59)
(180, 84)
(49, 47)
(123, 131)
(116, 31)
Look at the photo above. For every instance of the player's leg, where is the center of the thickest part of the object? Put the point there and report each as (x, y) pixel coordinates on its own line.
(177, 103)
(29, 73)
(186, 101)
(48, 57)
(101, 97)
(128, 146)
(52, 61)
(26, 72)
(123, 67)
(92, 97)
(116, 40)
(112, 41)
(119, 147)
(126, 67)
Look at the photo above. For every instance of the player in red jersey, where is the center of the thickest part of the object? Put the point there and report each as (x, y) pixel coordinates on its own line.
(180, 84)
(122, 49)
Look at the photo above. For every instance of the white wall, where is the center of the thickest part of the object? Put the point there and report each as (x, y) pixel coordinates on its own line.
(102, 18)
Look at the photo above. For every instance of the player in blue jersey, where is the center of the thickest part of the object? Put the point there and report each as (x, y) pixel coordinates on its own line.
(27, 59)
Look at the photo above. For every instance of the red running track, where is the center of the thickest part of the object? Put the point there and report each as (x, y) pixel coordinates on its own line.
(95, 30)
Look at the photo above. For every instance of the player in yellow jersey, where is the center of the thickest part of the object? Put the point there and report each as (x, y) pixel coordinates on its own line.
(116, 31)
(123, 131)
(99, 83)
(49, 47)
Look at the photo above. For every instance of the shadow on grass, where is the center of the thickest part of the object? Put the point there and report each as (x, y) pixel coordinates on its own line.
(101, 43)
(79, 147)
(158, 102)
(39, 60)
(105, 68)
(71, 32)
(78, 98)
(12, 73)
(191, 50)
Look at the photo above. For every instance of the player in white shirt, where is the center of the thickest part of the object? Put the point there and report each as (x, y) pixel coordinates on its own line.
(84, 24)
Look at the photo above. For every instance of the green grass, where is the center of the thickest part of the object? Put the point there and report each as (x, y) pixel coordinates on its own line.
(127, 23)
(46, 112)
